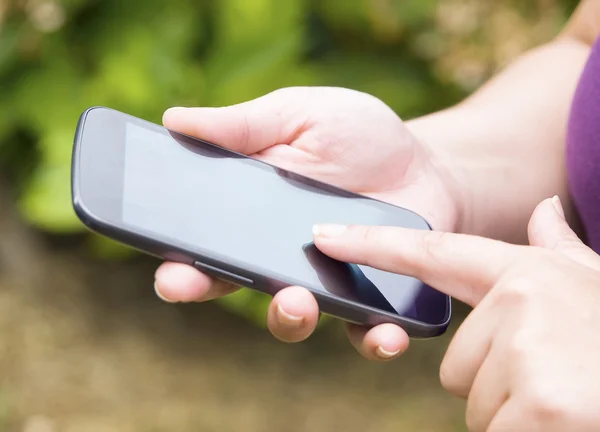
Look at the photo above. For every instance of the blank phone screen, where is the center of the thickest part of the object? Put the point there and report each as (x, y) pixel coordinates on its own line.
(261, 218)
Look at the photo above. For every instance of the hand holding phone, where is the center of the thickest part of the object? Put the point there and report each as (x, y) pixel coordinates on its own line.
(342, 137)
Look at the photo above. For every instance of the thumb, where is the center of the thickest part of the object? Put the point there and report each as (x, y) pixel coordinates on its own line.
(247, 127)
(548, 229)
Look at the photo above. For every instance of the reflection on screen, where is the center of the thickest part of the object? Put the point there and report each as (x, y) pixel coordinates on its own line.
(233, 208)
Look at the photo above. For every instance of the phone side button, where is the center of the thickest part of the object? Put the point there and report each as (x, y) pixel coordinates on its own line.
(232, 277)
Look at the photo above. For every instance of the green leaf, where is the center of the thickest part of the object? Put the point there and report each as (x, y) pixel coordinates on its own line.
(259, 49)
(240, 76)
(106, 248)
(11, 36)
(49, 96)
(257, 22)
(393, 81)
(249, 304)
(47, 200)
(144, 56)
(344, 14)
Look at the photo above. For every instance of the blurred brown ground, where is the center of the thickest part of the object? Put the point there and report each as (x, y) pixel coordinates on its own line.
(87, 347)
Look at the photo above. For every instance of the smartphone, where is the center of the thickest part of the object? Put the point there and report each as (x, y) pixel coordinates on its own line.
(239, 219)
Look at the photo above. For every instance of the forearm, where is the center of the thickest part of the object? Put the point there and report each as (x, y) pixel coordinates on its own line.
(506, 143)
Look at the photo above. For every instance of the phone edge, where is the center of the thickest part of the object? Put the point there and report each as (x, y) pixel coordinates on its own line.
(149, 246)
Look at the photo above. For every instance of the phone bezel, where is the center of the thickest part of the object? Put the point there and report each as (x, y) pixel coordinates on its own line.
(101, 214)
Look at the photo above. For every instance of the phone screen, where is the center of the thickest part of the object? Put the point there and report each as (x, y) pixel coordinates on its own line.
(260, 217)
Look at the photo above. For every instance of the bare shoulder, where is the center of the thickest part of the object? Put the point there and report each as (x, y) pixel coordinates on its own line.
(584, 24)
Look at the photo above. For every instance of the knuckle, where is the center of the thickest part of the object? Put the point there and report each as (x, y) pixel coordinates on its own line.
(544, 404)
(298, 93)
(284, 92)
(519, 348)
(367, 234)
(433, 241)
(448, 379)
(516, 291)
(432, 246)
(568, 243)
(244, 134)
(281, 91)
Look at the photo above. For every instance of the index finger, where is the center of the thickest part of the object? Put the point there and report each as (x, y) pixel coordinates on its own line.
(464, 267)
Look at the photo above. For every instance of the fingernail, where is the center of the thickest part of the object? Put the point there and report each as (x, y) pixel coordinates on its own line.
(160, 295)
(173, 109)
(558, 206)
(384, 354)
(288, 319)
(328, 230)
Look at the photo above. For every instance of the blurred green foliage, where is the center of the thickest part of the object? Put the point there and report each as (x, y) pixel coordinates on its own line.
(141, 56)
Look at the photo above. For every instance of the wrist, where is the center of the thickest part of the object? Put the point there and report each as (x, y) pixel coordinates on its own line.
(494, 185)
(475, 173)
(457, 193)
(453, 197)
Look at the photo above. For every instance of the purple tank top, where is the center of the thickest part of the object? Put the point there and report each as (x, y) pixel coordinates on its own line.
(583, 149)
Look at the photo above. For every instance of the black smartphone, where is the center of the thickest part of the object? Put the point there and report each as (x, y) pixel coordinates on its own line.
(239, 219)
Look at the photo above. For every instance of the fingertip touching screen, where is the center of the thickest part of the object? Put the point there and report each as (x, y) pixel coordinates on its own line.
(261, 217)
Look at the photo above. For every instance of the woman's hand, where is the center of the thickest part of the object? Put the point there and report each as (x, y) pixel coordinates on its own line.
(527, 357)
(343, 137)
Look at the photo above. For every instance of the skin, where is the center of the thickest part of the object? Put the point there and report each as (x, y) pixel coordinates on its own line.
(477, 168)
(327, 134)
(527, 357)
